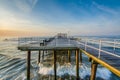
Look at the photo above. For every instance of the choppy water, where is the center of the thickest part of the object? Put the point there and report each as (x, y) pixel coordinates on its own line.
(13, 66)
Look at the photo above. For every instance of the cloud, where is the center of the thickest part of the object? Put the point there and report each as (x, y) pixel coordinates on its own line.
(56, 19)
(33, 2)
(105, 8)
(11, 23)
(25, 5)
(9, 19)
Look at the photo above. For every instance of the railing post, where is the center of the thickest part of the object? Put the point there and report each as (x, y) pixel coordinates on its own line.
(100, 42)
(18, 41)
(114, 45)
(55, 41)
(85, 44)
(28, 64)
(69, 40)
(25, 41)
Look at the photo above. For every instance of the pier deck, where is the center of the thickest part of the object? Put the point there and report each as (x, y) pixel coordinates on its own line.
(97, 56)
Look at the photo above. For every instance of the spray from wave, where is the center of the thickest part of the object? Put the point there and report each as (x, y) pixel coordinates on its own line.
(68, 69)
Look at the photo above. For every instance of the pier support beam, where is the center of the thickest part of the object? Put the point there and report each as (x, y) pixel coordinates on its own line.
(80, 57)
(77, 64)
(43, 55)
(39, 56)
(93, 70)
(90, 59)
(28, 64)
(69, 56)
(55, 73)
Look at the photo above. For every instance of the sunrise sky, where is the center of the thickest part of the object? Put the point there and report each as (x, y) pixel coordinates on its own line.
(48, 17)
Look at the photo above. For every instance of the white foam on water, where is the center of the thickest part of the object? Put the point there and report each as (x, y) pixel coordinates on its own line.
(45, 70)
(103, 73)
(84, 71)
(69, 69)
(21, 77)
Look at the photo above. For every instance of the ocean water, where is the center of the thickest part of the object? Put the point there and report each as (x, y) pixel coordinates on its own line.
(13, 65)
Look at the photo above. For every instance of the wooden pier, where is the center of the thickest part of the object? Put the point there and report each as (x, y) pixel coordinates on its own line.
(63, 43)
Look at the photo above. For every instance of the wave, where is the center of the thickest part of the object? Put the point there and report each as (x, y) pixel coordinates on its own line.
(68, 69)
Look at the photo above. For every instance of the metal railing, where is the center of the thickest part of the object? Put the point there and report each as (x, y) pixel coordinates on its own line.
(37, 40)
(102, 46)
(29, 40)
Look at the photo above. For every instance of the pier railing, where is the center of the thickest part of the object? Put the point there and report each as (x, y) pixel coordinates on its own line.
(29, 40)
(96, 50)
(37, 40)
(102, 46)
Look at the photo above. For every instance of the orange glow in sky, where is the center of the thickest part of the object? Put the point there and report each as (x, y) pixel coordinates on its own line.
(48, 17)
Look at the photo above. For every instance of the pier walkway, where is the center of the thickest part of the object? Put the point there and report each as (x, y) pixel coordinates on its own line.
(105, 53)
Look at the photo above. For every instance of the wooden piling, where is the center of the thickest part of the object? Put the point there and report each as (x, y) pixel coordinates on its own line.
(55, 74)
(90, 59)
(39, 56)
(93, 70)
(43, 55)
(77, 64)
(80, 57)
(28, 64)
(69, 56)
